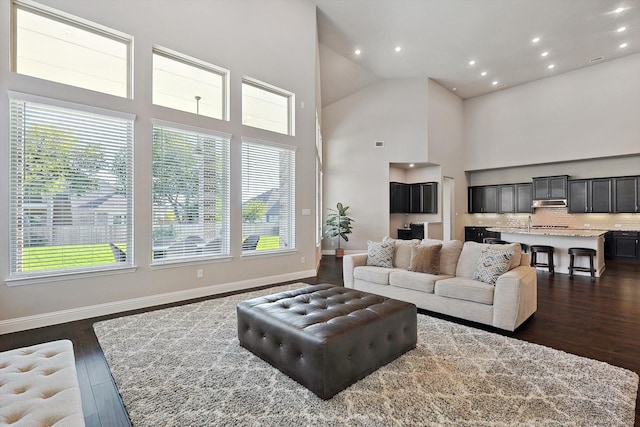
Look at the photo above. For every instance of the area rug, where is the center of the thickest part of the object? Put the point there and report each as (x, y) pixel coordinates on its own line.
(183, 366)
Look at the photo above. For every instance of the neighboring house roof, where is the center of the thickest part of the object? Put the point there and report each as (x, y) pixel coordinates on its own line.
(271, 198)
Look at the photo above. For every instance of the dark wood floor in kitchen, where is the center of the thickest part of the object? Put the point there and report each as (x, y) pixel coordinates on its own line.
(598, 319)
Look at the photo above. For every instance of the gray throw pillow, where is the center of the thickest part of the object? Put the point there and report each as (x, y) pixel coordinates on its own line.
(380, 254)
(492, 264)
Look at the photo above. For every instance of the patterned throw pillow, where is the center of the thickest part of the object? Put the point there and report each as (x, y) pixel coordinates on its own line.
(380, 254)
(425, 259)
(492, 264)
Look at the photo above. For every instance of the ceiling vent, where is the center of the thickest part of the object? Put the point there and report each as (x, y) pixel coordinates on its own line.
(596, 59)
(379, 143)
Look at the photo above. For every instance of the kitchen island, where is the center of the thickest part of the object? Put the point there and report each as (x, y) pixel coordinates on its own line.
(561, 239)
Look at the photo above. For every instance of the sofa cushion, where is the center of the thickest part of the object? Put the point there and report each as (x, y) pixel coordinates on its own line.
(380, 254)
(416, 281)
(492, 264)
(425, 259)
(471, 252)
(465, 289)
(379, 275)
(402, 255)
(449, 254)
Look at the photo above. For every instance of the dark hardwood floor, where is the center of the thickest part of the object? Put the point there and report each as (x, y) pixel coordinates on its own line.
(597, 319)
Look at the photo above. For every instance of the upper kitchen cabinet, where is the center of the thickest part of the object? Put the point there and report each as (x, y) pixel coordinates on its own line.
(578, 196)
(524, 198)
(506, 198)
(398, 197)
(601, 195)
(483, 199)
(423, 197)
(625, 194)
(550, 187)
(413, 198)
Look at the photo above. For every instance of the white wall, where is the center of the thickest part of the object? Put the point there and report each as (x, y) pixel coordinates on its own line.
(272, 41)
(356, 171)
(584, 114)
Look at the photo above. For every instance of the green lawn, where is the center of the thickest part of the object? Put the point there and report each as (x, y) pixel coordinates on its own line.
(56, 257)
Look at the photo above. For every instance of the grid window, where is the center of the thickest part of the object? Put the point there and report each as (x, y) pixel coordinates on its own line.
(268, 197)
(71, 198)
(267, 107)
(54, 47)
(190, 193)
(189, 85)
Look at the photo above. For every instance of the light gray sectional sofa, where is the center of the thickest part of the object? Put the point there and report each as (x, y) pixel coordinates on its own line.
(506, 304)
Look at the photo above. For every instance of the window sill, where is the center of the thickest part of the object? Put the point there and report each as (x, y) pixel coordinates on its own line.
(179, 262)
(57, 277)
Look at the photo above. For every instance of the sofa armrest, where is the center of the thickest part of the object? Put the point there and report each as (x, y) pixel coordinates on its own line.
(515, 297)
(349, 262)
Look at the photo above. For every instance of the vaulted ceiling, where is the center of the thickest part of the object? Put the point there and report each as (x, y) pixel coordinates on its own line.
(454, 41)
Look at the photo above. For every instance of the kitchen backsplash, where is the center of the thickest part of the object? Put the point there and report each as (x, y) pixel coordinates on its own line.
(558, 217)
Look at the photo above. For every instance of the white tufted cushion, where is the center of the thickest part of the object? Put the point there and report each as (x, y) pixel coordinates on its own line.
(39, 386)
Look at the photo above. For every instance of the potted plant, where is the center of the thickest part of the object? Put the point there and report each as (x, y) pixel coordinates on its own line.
(338, 224)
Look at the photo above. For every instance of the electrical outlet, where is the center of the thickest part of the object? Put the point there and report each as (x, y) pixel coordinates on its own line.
(587, 225)
(618, 225)
(200, 273)
(302, 260)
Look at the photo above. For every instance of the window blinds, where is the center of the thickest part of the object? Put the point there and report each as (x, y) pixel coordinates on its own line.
(268, 196)
(71, 198)
(190, 193)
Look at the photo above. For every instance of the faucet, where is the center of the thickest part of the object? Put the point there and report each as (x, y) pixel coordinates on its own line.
(529, 224)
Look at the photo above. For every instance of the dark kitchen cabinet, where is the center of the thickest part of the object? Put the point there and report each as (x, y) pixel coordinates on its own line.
(506, 198)
(625, 245)
(413, 198)
(549, 188)
(399, 197)
(483, 199)
(625, 194)
(423, 197)
(589, 195)
(601, 195)
(608, 245)
(478, 234)
(524, 198)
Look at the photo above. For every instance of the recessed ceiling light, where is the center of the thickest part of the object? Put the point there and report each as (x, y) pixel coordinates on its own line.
(495, 83)
(472, 62)
(545, 53)
(619, 10)
(358, 52)
(551, 66)
(411, 165)
(535, 40)
(454, 89)
(398, 48)
(623, 45)
(484, 73)
(621, 29)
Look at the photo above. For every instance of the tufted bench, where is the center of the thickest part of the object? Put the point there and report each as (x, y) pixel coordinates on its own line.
(39, 386)
(327, 337)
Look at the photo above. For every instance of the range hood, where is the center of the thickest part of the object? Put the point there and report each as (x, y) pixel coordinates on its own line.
(552, 203)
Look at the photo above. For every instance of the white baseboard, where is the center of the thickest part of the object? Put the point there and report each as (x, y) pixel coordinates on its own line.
(63, 316)
(346, 252)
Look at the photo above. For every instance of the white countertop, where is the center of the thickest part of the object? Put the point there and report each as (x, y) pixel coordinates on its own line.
(572, 232)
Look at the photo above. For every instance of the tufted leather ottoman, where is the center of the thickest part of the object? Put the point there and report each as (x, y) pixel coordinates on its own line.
(39, 386)
(327, 337)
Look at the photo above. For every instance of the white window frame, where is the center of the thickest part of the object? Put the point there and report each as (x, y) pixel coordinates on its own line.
(291, 102)
(197, 63)
(290, 210)
(74, 21)
(16, 195)
(164, 257)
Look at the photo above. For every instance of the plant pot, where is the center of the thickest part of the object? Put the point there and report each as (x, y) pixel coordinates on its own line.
(339, 253)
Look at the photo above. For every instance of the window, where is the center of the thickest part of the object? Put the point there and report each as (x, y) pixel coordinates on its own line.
(71, 198)
(190, 193)
(267, 107)
(190, 85)
(51, 46)
(268, 196)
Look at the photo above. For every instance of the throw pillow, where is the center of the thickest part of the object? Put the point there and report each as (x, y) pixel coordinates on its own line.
(492, 264)
(380, 254)
(425, 259)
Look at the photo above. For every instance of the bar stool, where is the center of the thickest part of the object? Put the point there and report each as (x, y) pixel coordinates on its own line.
(574, 252)
(535, 249)
(524, 247)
